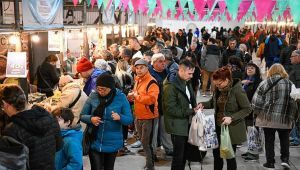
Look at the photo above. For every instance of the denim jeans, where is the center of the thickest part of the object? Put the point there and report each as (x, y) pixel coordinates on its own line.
(295, 134)
(284, 144)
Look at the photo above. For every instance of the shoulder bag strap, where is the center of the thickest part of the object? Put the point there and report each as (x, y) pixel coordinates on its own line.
(274, 84)
(43, 78)
(76, 100)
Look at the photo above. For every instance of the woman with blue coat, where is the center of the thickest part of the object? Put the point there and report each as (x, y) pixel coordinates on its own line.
(105, 111)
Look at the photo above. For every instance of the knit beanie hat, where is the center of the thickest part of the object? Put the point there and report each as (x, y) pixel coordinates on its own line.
(106, 80)
(84, 65)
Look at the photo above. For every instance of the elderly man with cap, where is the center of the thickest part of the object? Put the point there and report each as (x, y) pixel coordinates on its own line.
(145, 95)
(89, 73)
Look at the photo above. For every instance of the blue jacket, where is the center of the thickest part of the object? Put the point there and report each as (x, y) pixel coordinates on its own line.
(70, 156)
(110, 136)
(90, 84)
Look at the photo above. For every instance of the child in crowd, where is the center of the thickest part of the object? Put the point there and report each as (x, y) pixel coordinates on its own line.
(70, 156)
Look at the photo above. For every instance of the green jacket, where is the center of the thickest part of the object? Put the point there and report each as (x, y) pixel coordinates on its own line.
(237, 107)
(176, 106)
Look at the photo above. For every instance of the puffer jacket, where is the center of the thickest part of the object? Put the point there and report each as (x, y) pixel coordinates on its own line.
(110, 135)
(13, 154)
(39, 131)
(90, 84)
(145, 98)
(176, 106)
(70, 156)
(210, 58)
(68, 96)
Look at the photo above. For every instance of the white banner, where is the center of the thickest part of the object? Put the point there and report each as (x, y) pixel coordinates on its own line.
(16, 64)
(42, 14)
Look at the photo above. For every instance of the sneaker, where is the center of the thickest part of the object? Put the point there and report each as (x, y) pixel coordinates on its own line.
(136, 144)
(294, 144)
(269, 165)
(285, 165)
(203, 95)
(251, 157)
(148, 168)
(244, 155)
(239, 146)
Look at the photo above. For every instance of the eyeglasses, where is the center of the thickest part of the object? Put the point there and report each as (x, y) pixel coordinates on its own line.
(102, 89)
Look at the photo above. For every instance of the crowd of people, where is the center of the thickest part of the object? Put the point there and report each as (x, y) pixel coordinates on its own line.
(149, 86)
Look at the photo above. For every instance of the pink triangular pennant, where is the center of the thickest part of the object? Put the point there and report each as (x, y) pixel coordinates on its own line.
(287, 14)
(143, 5)
(263, 8)
(93, 2)
(192, 16)
(75, 2)
(135, 4)
(244, 7)
(210, 3)
(169, 13)
(199, 7)
(124, 3)
(222, 6)
(179, 12)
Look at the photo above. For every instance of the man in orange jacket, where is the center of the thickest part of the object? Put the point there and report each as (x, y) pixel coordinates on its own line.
(145, 95)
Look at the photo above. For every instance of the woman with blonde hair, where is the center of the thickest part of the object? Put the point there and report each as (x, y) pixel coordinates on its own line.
(271, 104)
(125, 79)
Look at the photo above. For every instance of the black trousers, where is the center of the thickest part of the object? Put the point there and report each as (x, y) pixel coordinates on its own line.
(284, 144)
(102, 161)
(218, 161)
(179, 149)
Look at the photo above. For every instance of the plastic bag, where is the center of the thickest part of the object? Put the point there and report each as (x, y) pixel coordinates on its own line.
(255, 140)
(196, 132)
(295, 93)
(226, 150)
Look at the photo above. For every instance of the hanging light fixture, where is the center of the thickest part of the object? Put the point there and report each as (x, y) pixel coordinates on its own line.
(35, 38)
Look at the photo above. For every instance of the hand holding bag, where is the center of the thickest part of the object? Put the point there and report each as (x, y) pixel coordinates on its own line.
(226, 150)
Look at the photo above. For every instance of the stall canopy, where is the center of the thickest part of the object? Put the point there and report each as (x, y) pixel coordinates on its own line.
(208, 10)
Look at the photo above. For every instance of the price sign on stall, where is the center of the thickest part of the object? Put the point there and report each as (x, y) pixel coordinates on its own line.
(16, 64)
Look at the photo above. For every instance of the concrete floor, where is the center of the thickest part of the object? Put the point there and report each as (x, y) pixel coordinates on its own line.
(136, 161)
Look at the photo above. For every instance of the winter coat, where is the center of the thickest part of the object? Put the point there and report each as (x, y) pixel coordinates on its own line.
(13, 154)
(182, 41)
(47, 78)
(90, 84)
(294, 75)
(176, 106)
(110, 135)
(39, 131)
(274, 104)
(210, 58)
(228, 53)
(68, 95)
(4, 120)
(159, 77)
(70, 156)
(285, 57)
(146, 103)
(237, 107)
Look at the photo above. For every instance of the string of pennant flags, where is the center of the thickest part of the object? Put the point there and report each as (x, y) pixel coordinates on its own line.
(207, 10)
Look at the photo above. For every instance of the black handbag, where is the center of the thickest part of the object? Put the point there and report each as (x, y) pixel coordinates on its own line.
(86, 141)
